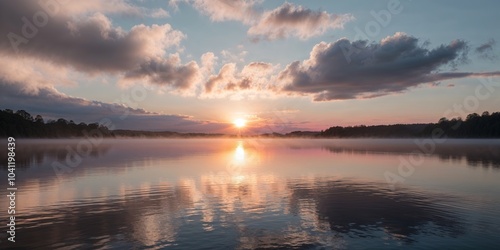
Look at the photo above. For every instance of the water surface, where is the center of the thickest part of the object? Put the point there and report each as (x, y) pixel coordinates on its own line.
(256, 193)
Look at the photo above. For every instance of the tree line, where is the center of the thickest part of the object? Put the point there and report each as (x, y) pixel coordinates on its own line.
(23, 124)
(474, 126)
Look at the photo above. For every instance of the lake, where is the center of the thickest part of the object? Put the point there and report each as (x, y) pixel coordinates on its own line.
(255, 193)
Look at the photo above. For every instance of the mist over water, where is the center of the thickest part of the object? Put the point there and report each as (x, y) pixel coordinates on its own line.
(256, 193)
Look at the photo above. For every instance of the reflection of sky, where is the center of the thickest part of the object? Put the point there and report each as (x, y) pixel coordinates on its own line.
(249, 194)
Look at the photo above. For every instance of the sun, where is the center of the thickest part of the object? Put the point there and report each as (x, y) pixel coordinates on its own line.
(240, 122)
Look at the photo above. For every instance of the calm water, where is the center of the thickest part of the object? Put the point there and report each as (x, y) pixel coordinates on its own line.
(254, 193)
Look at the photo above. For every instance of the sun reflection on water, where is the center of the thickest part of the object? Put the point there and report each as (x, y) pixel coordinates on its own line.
(239, 154)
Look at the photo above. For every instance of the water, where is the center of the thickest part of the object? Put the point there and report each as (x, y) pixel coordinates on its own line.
(255, 193)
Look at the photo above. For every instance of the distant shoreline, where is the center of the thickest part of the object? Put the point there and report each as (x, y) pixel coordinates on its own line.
(249, 137)
(21, 124)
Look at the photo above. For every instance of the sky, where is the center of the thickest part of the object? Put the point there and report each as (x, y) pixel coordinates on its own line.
(199, 65)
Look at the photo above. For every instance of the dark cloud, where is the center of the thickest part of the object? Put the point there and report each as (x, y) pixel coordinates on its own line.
(52, 104)
(485, 50)
(90, 43)
(180, 77)
(358, 69)
(294, 20)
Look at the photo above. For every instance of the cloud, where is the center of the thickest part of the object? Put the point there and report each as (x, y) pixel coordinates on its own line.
(56, 42)
(208, 62)
(159, 13)
(226, 80)
(349, 70)
(31, 73)
(346, 70)
(485, 50)
(252, 79)
(91, 44)
(52, 104)
(294, 20)
(168, 72)
(287, 20)
(90, 6)
(224, 10)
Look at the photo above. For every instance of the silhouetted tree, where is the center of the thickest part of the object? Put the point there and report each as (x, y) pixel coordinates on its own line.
(475, 126)
(22, 124)
(39, 119)
(25, 115)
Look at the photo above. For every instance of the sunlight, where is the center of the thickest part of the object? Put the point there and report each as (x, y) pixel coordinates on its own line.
(240, 122)
(239, 154)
